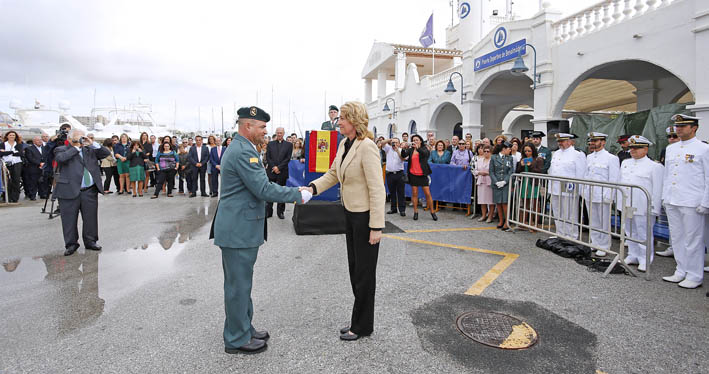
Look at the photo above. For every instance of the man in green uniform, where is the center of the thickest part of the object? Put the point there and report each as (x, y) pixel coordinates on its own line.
(332, 124)
(543, 151)
(239, 226)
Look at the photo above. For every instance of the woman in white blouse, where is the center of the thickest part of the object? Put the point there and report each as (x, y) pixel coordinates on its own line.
(11, 154)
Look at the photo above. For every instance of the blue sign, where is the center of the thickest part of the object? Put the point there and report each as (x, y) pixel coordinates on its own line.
(464, 10)
(501, 55)
(500, 37)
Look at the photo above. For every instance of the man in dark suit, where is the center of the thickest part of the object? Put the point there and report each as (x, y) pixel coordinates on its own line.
(198, 156)
(215, 159)
(78, 186)
(332, 124)
(33, 171)
(278, 154)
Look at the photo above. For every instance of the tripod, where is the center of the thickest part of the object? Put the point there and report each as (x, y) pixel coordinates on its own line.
(52, 213)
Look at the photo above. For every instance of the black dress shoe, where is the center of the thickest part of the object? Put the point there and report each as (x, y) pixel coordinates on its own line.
(269, 215)
(33, 198)
(434, 216)
(349, 337)
(403, 214)
(391, 212)
(260, 335)
(193, 195)
(281, 216)
(344, 330)
(253, 346)
(204, 195)
(70, 251)
(93, 247)
(416, 216)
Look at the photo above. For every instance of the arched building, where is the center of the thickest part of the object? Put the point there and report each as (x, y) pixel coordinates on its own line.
(613, 56)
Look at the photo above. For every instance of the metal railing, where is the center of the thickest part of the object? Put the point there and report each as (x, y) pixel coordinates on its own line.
(534, 193)
(4, 174)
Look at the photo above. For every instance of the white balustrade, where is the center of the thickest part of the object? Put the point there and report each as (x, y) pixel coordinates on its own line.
(602, 15)
(441, 79)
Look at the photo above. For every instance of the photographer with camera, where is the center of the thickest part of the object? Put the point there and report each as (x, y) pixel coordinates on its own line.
(77, 189)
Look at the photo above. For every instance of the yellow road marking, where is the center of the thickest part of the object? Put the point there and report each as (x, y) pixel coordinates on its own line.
(455, 229)
(485, 280)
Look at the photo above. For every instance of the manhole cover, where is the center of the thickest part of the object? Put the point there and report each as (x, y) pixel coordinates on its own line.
(496, 330)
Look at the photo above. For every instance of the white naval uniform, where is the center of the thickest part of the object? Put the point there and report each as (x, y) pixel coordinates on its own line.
(687, 187)
(649, 175)
(605, 167)
(567, 163)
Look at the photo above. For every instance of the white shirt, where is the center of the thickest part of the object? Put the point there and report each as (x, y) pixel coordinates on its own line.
(10, 158)
(566, 163)
(644, 173)
(605, 167)
(517, 156)
(687, 174)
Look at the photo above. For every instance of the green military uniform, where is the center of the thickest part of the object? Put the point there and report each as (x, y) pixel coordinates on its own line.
(239, 228)
(543, 151)
(329, 125)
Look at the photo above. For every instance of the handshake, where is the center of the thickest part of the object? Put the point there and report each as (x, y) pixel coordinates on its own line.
(306, 193)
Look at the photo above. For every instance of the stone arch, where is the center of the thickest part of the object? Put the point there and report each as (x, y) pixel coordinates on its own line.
(412, 127)
(444, 119)
(518, 124)
(599, 71)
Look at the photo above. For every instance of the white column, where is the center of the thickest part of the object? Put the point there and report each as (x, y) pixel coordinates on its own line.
(400, 72)
(367, 91)
(701, 81)
(646, 92)
(701, 111)
(472, 110)
(381, 83)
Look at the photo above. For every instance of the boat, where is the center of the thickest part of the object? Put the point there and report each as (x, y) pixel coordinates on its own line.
(40, 119)
(133, 121)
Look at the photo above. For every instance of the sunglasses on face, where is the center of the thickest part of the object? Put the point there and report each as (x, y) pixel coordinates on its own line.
(461, 143)
(672, 136)
(486, 151)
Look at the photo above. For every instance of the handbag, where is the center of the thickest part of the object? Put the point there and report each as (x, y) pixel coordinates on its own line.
(149, 165)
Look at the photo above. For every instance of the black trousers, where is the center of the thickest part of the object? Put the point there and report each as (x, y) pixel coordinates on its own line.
(87, 204)
(13, 185)
(279, 179)
(214, 183)
(109, 173)
(362, 260)
(396, 185)
(165, 176)
(31, 177)
(198, 172)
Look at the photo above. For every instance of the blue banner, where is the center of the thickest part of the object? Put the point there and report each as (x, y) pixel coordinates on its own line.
(296, 174)
(509, 52)
(449, 183)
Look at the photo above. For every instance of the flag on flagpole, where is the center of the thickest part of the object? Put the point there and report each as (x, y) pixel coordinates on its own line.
(426, 38)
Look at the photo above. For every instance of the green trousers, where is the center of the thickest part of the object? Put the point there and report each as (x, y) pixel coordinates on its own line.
(238, 265)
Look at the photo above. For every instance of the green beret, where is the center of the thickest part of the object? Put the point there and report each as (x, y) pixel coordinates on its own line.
(332, 107)
(253, 112)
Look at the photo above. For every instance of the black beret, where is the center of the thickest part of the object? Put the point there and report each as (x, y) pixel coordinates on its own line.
(332, 107)
(253, 112)
(506, 144)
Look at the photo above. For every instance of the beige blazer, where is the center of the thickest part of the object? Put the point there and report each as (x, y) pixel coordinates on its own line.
(360, 178)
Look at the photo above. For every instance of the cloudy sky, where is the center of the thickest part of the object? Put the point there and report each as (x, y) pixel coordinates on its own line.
(202, 56)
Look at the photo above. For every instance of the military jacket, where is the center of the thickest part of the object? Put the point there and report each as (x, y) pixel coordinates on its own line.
(566, 163)
(601, 166)
(687, 174)
(644, 173)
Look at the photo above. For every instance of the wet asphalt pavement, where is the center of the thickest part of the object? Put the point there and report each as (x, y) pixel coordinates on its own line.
(151, 301)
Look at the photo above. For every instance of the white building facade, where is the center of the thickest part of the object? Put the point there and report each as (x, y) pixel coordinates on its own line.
(660, 47)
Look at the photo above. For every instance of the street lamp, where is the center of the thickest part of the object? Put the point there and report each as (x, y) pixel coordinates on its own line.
(450, 88)
(386, 106)
(519, 68)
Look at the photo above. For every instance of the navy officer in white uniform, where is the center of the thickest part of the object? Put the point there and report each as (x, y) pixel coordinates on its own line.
(641, 171)
(601, 166)
(566, 162)
(686, 199)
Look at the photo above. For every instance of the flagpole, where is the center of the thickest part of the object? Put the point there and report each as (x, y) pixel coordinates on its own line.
(433, 55)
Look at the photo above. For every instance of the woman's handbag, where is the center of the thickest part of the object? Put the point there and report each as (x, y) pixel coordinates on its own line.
(149, 165)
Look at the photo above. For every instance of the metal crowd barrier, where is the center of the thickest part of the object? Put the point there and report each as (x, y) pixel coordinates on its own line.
(531, 213)
(5, 175)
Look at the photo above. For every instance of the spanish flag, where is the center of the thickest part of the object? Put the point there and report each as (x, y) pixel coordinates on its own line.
(322, 146)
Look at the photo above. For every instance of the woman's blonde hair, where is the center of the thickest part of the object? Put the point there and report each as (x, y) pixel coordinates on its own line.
(356, 113)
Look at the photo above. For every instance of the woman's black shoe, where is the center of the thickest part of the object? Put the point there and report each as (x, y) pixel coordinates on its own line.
(349, 337)
(500, 226)
(416, 216)
(344, 330)
(433, 215)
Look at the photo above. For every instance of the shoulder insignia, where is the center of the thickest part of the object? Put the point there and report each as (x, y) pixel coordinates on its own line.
(253, 160)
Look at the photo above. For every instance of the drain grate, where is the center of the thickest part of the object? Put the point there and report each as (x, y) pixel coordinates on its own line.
(496, 330)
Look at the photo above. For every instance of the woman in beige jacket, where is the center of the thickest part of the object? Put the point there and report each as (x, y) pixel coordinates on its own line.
(357, 167)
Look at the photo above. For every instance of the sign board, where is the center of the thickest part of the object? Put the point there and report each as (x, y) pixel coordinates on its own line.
(509, 52)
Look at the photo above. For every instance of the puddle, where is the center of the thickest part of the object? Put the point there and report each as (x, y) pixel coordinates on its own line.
(71, 292)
